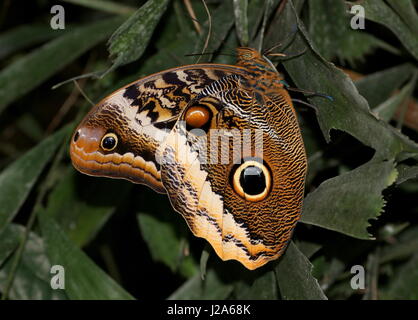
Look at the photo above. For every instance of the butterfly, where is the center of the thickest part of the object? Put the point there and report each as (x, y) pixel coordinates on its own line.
(222, 141)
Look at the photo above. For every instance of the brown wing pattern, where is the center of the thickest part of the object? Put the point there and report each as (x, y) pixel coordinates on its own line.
(252, 232)
(222, 141)
(140, 115)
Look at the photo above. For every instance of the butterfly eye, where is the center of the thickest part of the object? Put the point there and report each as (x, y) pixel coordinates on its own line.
(197, 116)
(109, 142)
(252, 181)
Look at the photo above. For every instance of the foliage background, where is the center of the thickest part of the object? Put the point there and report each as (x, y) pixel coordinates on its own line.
(117, 240)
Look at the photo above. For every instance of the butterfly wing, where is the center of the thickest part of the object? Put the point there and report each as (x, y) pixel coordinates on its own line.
(243, 195)
(119, 136)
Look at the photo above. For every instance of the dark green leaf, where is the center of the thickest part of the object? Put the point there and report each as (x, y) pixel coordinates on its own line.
(212, 288)
(31, 70)
(406, 10)
(405, 246)
(204, 261)
(9, 240)
(405, 284)
(330, 31)
(263, 286)
(130, 40)
(25, 36)
(294, 277)
(17, 179)
(165, 243)
(406, 172)
(221, 23)
(379, 86)
(327, 26)
(347, 202)
(33, 277)
(104, 5)
(81, 213)
(165, 233)
(387, 109)
(83, 279)
(255, 16)
(348, 110)
(378, 11)
(241, 20)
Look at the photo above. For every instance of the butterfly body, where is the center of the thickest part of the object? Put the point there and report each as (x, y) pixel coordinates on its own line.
(222, 141)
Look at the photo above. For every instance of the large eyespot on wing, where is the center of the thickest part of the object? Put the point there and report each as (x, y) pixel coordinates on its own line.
(246, 209)
(251, 180)
(119, 136)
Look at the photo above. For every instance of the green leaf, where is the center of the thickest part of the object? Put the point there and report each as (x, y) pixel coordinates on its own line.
(269, 7)
(406, 173)
(165, 233)
(31, 70)
(106, 6)
(83, 278)
(387, 109)
(327, 26)
(378, 11)
(24, 36)
(29, 125)
(222, 22)
(167, 248)
(347, 202)
(294, 276)
(17, 180)
(130, 40)
(255, 16)
(332, 35)
(263, 286)
(241, 20)
(340, 197)
(9, 240)
(307, 248)
(406, 10)
(212, 288)
(406, 245)
(405, 285)
(348, 111)
(33, 277)
(204, 260)
(81, 213)
(379, 86)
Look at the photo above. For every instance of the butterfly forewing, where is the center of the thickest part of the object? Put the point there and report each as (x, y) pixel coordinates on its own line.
(140, 115)
(205, 189)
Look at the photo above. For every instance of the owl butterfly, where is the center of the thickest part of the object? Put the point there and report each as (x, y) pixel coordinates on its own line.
(243, 195)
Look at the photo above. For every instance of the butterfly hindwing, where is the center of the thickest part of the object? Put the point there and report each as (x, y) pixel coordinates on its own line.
(200, 173)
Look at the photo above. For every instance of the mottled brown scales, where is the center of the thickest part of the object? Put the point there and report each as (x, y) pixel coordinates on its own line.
(152, 119)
